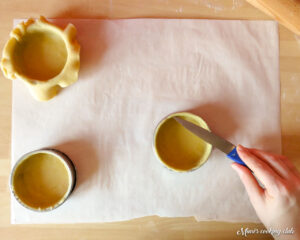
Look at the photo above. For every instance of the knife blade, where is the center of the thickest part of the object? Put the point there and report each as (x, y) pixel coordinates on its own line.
(222, 144)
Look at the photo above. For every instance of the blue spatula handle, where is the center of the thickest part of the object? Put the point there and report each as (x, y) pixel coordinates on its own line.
(233, 155)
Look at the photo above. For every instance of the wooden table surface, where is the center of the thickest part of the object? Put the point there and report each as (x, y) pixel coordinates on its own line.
(149, 227)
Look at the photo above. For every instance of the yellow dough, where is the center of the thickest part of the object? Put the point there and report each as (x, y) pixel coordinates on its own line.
(41, 181)
(178, 148)
(44, 56)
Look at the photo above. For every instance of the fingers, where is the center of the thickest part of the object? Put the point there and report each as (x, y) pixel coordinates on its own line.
(274, 161)
(290, 165)
(261, 169)
(255, 192)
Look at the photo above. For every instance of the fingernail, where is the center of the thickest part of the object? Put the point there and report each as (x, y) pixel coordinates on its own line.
(241, 148)
(235, 168)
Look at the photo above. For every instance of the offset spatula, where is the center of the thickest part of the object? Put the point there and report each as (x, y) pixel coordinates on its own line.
(218, 142)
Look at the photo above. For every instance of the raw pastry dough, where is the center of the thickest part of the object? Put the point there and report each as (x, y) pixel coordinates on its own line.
(44, 56)
(178, 148)
(41, 181)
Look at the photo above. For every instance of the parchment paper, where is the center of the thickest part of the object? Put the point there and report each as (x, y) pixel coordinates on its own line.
(134, 73)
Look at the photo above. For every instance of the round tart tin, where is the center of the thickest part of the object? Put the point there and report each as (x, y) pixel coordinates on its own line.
(42, 180)
(177, 148)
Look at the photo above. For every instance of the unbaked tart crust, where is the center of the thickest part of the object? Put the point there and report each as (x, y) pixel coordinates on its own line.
(43, 55)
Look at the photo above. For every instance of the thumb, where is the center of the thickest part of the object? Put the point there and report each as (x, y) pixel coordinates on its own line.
(255, 192)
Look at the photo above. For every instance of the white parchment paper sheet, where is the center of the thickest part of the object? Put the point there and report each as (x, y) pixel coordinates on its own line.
(133, 73)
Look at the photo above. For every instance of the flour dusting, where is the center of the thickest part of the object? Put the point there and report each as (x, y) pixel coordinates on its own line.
(218, 5)
(179, 10)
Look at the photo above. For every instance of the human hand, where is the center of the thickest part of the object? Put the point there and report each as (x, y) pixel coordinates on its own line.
(278, 204)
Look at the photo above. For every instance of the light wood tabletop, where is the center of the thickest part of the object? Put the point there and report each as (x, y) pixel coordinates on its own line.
(149, 227)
